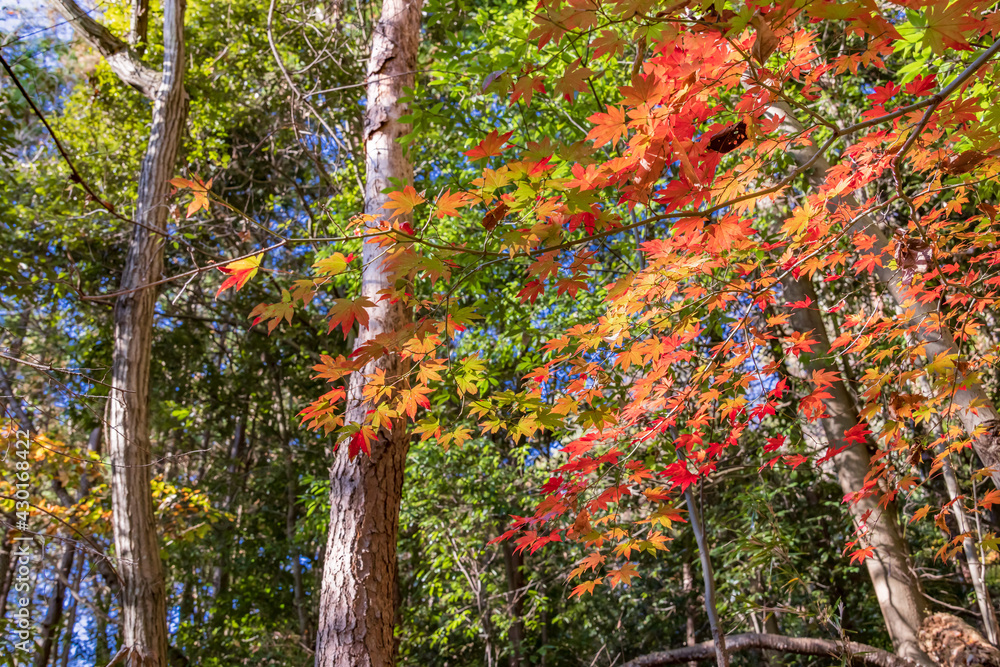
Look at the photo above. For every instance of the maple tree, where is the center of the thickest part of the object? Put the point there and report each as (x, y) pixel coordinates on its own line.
(694, 152)
(755, 257)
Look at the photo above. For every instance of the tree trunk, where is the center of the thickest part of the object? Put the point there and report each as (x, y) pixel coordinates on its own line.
(144, 618)
(514, 568)
(359, 587)
(6, 564)
(687, 585)
(49, 629)
(896, 584)
(952, 642)
(698, 526)
(976, 573)
(975, 409)
(71, 620)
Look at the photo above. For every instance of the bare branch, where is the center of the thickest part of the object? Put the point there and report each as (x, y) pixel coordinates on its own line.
(123, 61)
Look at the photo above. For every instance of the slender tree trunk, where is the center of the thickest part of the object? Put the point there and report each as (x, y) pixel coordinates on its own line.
(896, 584)
(698, 526)
(976, 573)
(359, 587)
(514, 569)
(687, 585)
(50, 625)
(6, 566)
(102, 651)
(220, 573)
(144, 617)
(71, 620)
(975, 409)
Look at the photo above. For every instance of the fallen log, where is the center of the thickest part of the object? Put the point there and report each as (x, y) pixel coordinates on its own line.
(951, 642)
(860, 655)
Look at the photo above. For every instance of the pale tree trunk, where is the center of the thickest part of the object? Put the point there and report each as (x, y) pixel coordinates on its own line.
(893, 578)
(976, 574)
(143, 595)
(897, 587)
(144, 617)
(358, 601)
(698, 526)
(976, 410)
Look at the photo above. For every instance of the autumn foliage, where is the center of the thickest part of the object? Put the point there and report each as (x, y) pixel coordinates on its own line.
(717, 149)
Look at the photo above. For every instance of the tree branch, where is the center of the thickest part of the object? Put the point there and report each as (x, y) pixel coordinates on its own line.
(854, 653)
(139, 25)
(124, 62)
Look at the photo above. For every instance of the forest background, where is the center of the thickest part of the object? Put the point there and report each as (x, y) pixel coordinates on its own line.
(658, 322)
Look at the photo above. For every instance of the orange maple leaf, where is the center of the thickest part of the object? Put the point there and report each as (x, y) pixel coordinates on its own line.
(490, 146)
(449, 203)
(403, 201)
(198, 189)
(622, 576)
(346, 311)
(239, 272)
(585, 587)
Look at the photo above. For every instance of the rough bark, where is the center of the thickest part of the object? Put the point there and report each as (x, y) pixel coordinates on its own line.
(974, 407)
(122, 60)
(143, 595)
(893, 578)
(952, 642)
(359, 587)
(853, 652)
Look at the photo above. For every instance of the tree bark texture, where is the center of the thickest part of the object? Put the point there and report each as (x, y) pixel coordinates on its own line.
(513, 562)
(952, 642)
(893, 578)
(143, 595)
(855, 653)
(359, 587)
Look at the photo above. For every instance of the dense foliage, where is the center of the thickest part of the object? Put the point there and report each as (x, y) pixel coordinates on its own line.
(659, 256)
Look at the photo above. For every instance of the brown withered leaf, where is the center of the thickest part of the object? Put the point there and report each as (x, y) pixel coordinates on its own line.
(901, 405)
(990, 210)
(912, 255)
(729, 139)
(492, 218)
(766, 41)
(963, 163)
